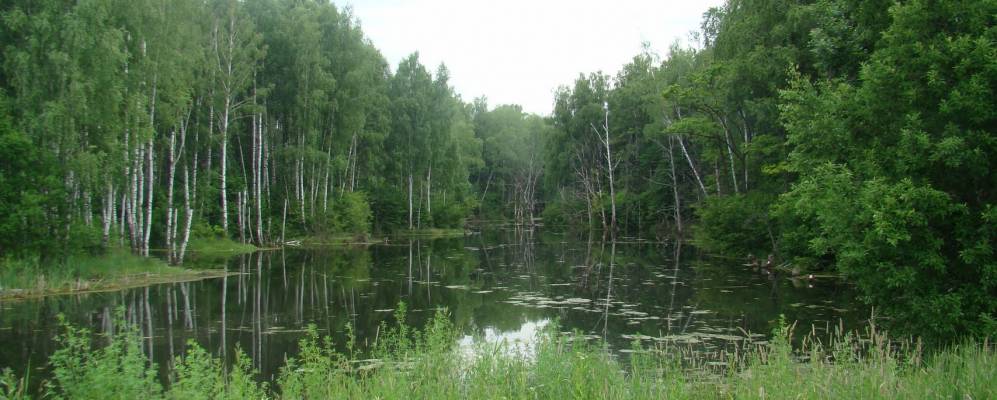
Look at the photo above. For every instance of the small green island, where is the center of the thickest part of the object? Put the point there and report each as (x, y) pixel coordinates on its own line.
(249, 199)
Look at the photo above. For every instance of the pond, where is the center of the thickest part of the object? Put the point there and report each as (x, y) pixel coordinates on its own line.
(501, 284)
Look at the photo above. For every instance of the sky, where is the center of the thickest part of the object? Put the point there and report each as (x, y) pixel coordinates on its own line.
(520, 51)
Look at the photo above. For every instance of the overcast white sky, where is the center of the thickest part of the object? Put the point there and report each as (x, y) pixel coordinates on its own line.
(520, 51)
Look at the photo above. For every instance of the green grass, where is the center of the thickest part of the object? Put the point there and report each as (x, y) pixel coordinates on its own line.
(408, 364)
(336, 239)
(82, 273)
(218, 245)
(429, 233)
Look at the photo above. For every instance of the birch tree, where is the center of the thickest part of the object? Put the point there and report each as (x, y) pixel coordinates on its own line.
(237, 50)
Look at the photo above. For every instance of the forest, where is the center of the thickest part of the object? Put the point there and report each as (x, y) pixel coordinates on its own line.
(848, 136)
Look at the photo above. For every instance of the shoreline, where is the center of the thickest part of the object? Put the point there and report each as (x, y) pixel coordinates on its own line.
(112, 284)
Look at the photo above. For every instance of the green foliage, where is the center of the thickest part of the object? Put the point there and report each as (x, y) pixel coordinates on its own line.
(118, 370)
(559, 213)
(351, 214)
(121, 370)
(512, 150)
(867, 367)
(887, 237)
(389, 209)
(452, 214)
(34, 275)
(892, 167)
(738, 224)
(126, 110)
(427, 363)
(29, 190)
(12, 388)
(196, 375)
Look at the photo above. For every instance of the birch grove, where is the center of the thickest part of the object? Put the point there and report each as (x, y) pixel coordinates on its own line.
(172, 123)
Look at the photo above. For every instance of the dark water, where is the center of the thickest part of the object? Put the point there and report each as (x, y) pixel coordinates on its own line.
(500, 284)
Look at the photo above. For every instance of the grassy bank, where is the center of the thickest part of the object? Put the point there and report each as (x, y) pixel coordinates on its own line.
(118, 269)
(337, 239)
(342, 238)
(428, 233)
(218, 245)
(427, 365)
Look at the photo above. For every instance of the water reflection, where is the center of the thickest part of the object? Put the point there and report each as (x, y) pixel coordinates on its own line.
(501, 285)
(520, 342)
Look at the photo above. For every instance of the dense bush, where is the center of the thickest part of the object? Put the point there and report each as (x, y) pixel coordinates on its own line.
(890, 239)
(896, 169)
(351, 213)
(390, 208)
(562, 213)
(450, 215)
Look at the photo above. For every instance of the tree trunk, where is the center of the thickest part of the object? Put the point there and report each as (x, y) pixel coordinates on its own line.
(170, 210)
(224, 164)
(149, 201)
(730, 154)
(429, 193)
(353, 169)
(612, 189)
(139, 173)
(410, 201)
(692, 166)
(675, 186)
(258, 181)
(239, 219)
(283, 223)
(108, 214)
(188, 216)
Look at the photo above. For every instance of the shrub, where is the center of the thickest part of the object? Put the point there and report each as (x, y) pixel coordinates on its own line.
(351, 213)
(894, 239)
(736, 225)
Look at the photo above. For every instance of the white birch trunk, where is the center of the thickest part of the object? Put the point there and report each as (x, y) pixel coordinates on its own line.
(170, 210)
(429, 193)
(242, 232)
(609, 167)
(149, 200)
(108, 214)
(188, 217)
(730, 155)
(675, 185)
(410, 201)
(692, 166)
(224, 164)
(258, 182)
(283, 223)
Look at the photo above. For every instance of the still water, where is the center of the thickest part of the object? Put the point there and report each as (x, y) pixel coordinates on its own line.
(501, 284)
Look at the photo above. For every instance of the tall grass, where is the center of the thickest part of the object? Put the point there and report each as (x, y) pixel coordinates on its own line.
(404, 363)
